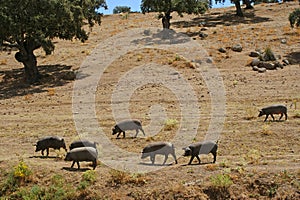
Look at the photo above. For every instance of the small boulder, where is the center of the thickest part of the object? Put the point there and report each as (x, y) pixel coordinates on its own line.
(278, 65)
(267, 65)
(255, 68)
(262, 70)
(255, 62)
(237, 48)
(285, 61)
(203, 35)
(254, 54)
(283, 41)
(222, 50)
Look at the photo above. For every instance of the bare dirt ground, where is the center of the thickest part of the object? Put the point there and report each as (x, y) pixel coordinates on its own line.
(261, 159)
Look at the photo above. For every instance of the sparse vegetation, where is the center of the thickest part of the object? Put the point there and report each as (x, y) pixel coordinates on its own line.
(221, 181)
(20, 175)
(170, 124)
(266, 130)
(119, 178)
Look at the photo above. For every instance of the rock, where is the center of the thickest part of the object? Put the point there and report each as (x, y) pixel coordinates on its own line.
(255, 68)
(222, 50)
(267, 65)
(254, 54)
(283, 41)
(209, 60)
(255, 62)
(285, 61)
(259, 51)
(262, 70)
(203, 35)
(278, 65)
(203, 29)
(237, 48)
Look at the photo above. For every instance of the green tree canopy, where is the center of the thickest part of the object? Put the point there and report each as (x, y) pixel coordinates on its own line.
(166, 7)
(31, 24)
(294, 18)
(121, 9)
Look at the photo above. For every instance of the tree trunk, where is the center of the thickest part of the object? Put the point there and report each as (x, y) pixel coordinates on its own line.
(30, 66)
(248, 4)
(239, 11)
(166, 20)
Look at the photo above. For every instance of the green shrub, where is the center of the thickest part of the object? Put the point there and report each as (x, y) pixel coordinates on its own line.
(268, 55)
(170, 124)
(18, 176)
(221, 181)
(88, 177)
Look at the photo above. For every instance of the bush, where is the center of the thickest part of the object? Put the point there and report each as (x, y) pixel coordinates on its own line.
(170, 124)
(18, 176)
(294, 18)
(221, 181)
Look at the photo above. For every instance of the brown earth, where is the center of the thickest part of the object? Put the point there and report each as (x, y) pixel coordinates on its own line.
(261, 159)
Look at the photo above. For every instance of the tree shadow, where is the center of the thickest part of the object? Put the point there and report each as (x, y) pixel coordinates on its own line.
(228, 18)
(12, 82)
(160, 37)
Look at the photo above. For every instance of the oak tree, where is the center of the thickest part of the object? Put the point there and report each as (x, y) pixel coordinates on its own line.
(32, 24)
(166, 7)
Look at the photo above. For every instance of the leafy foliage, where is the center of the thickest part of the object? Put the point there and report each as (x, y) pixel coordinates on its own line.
(19, 175)
(179, 6)
(121, 9)
(31, 24)
(40, 21)
(221, 181)
(166, 7)
(294, 18)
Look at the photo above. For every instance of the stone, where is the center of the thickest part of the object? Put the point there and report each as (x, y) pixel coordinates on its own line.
(278, 65)
(283, 41)
(262, 70)
(254, 54)
(267, 65)
(237, 48)
(255, 62)
(285, 61)
(204, 29)
(255, 68)
(222, 50)
(203, 35)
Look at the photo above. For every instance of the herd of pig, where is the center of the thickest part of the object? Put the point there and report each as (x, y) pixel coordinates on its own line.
(84, 150)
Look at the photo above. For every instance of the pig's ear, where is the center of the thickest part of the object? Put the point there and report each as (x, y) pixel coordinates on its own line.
(186, 149)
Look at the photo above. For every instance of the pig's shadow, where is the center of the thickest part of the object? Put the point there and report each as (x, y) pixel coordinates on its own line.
(155, 165)
(202, 163)
(44, 157)
(274, 121)
(75, 169)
